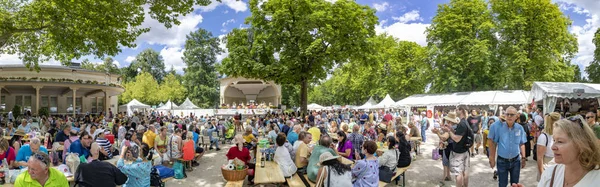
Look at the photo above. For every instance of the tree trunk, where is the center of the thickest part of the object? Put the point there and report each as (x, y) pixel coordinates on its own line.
(304, 98)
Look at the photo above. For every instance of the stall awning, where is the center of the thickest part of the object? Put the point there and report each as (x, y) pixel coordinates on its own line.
(541, 90)
(498, 97)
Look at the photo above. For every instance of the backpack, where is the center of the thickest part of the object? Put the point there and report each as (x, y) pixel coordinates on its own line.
(155, 179)
(470, 137)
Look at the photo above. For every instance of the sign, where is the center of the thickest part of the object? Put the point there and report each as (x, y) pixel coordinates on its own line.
(579, 91)
(429, 111)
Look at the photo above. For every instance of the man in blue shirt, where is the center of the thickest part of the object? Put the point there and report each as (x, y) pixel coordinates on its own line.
(27, 150)
(292, 136)
(363, 118)
(82, 146)
(510, 140)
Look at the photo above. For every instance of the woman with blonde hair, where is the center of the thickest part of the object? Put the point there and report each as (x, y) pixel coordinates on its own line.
(577, 154)
(544, 141)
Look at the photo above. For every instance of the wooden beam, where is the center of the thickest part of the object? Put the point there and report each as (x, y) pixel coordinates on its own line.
(6, 89)
(65, 92)
(93, 92)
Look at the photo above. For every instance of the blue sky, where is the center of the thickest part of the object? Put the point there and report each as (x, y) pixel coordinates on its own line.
(403, 19)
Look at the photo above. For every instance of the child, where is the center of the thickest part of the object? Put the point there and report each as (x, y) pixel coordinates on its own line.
(487, 142)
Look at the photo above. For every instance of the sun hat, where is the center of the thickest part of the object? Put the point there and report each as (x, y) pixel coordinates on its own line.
(65, 170)
(451, 117)
(19, 132)
(325, 157)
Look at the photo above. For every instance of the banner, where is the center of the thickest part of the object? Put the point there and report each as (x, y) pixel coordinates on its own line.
(430, 112)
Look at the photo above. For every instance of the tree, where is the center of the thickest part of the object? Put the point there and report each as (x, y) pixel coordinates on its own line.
(460, 41)
(290, 95)
(106, 66)
(148, 61)
(171, 89)
(200, 78)
(143, 88)
(535, 42)
(593, 70)
(309, 36)
(64, 30)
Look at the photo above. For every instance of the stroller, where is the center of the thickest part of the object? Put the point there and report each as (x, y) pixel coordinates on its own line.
(229, 132)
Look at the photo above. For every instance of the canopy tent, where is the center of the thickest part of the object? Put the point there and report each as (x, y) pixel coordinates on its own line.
(548, 92)
(168, 106)
(386, 103)
(314, 106)
(370, 103)
(161, 104)
(498, 97)
(187, 104)
(133, 105)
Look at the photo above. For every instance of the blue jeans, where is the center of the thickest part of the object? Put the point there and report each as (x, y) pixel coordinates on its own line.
(423, 135)
(505, 168)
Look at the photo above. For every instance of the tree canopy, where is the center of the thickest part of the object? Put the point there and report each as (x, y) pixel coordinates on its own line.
(148, 60)
(593, 70)
(298, 41)
(200, 78)
(107, 66)
(39, 30)
(146, 89)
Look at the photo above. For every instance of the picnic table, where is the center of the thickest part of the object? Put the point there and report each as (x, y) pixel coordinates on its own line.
(271, 173)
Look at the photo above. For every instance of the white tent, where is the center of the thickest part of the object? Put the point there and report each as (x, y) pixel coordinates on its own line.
(314, 106)
(386, 103)
(418, 100)
(187, 104)
(161, 104)
(498, 97)
(548, 92)
(370, 103)
(168, 106)
(133, 105)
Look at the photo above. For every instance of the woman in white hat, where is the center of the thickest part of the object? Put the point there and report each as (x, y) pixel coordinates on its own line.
(333, 170)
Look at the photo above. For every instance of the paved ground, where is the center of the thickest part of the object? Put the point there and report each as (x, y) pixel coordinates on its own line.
(424, 171)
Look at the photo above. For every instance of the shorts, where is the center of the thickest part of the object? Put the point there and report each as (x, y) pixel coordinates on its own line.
(459, 162)
(199, 150)
(445, 160)
(478, 138)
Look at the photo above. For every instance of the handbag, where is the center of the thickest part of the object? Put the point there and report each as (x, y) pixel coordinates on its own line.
(435, 154)
(179, 170)
(386, 173)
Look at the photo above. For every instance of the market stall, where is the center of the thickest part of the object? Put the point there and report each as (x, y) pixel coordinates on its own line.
(565, 97)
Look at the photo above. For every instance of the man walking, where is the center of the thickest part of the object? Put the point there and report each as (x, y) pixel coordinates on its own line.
(459, 156)
(510, 140)
(475, 123)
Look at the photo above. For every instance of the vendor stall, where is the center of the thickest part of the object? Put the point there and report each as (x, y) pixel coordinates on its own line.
(565, 97)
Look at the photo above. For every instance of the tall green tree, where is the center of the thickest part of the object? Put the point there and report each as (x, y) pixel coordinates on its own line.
(143, 88)
(593, 70)
(107, 66)
(200, 78)
(38, 30)
(310, 36)
(460, 41)
(535, 43)
(171, 89)
(148, 61)
(290, 95)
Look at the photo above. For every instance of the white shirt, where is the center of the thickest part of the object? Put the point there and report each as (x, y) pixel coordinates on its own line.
(592, 178)
(542, 141)
(286, 164)
(343, 180)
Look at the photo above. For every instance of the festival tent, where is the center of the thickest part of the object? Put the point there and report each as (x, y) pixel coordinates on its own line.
(168, 106)
(314, 106)
(497, 97)
(386, 103)
(418, 100)
(133, 105)
(161, 104)
(187, 104)
(370, 103)
(548, 92)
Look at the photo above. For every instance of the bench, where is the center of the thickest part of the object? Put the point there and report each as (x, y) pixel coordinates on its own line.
(295, 181)
(234, 183)
(401, 172)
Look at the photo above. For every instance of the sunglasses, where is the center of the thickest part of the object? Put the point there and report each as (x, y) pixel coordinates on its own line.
(41, 158)
(510, 115)
(576, 120)
(589, 117)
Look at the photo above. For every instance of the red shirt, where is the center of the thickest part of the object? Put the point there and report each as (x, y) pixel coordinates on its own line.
(11, 155)
(243, 155)
(388, 117)
(188, 150)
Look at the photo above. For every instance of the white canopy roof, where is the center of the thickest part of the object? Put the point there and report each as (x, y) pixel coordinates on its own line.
(370, 103)
(387, 102)
(168, 106)
(133, 104)
(541, 90)
(160, 104)
(315, 106)
(498, 97)
(187, 104)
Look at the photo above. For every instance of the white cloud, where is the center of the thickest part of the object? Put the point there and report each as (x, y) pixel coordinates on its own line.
(173, 37)
(224, 29)
(237, 5)
(14, 59)
(223, 46)
(408, 17)
(584, 5)
(129, 59)
(172, 58)
(381, 7)
(226, 11)
(405, 31)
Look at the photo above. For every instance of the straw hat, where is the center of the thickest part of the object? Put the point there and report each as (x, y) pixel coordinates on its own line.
(451, 117)
(325, 157)
(19, 132)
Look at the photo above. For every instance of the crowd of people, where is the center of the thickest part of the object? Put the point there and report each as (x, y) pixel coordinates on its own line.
(566, 149)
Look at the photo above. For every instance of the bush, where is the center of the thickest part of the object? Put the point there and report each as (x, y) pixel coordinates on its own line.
(44, 111)
(16, 111)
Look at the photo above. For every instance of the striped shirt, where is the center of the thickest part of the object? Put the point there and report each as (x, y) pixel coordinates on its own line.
(104, 143)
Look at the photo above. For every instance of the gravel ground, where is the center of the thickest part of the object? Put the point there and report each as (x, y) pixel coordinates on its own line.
(423, 172)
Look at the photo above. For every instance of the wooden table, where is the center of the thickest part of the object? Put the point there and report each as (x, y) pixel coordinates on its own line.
(417, 143)
(346, 161)
(271, 173)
